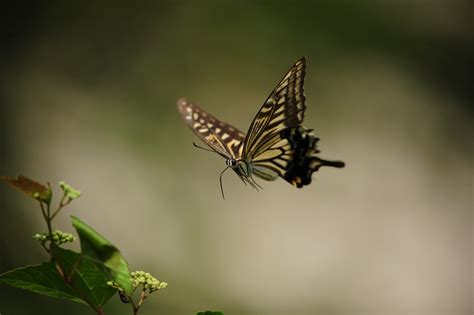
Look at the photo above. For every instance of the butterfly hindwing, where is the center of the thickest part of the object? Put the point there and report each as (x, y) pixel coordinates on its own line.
(300, 158)
(219, 136)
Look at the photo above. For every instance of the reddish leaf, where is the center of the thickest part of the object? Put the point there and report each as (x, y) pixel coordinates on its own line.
(29, 187)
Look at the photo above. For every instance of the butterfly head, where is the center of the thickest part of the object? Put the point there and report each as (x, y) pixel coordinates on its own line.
(231, 162)
(239, 166)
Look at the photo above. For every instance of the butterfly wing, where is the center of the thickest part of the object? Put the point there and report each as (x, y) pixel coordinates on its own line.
(276, 143)
(284, 108)
(219, 136)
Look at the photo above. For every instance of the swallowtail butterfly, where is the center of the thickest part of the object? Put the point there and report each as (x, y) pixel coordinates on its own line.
(276, 144)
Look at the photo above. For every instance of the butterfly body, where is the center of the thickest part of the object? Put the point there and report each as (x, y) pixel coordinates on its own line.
(241, 167)
(276, 144)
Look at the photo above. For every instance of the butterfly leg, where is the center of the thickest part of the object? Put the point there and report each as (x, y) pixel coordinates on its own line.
(252, 183)
(242, 178)
(255, 183)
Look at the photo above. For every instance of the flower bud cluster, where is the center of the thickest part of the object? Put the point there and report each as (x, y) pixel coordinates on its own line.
(69, 191)
(58, 236)
(147, 281)
(115, 285)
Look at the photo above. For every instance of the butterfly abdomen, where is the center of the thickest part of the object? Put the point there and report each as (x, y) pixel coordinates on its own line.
(304, 161)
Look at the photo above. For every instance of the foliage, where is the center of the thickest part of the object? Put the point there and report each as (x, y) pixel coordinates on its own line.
(90, 277)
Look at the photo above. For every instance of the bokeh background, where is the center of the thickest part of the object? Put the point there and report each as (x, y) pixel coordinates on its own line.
(88, 94)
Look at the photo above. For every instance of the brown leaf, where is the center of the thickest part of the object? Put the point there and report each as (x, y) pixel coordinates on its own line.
(29, 187)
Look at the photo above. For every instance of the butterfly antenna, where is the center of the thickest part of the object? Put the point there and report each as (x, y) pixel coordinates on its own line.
(220, 181)
(205, 149)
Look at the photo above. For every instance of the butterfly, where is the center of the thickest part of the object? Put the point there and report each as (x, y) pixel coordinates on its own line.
(276, 144)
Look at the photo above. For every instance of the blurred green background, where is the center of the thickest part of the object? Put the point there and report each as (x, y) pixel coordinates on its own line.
(88, 96)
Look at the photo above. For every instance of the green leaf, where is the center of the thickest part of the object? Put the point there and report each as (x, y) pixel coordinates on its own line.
(100, 249)
(210, 313)
(43, 279)
(87, 278)
(30, 187)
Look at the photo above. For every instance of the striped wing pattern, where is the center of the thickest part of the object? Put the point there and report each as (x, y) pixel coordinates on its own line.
(219, 136)
(284, 108)
(270, 153)
(276, 145)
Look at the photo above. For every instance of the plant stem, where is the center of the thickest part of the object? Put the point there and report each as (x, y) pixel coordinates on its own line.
(43, 210)
(62, 204)
(50, 233)
(45, 248)
(47, 218)
(143, 296)
(135, 307)
(48, 222)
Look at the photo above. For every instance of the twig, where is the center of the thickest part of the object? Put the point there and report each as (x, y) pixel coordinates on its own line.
(43, 210)
(61, 205)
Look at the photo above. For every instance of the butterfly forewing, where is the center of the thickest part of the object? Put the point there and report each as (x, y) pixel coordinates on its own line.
(219, 136)
(284, 108)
